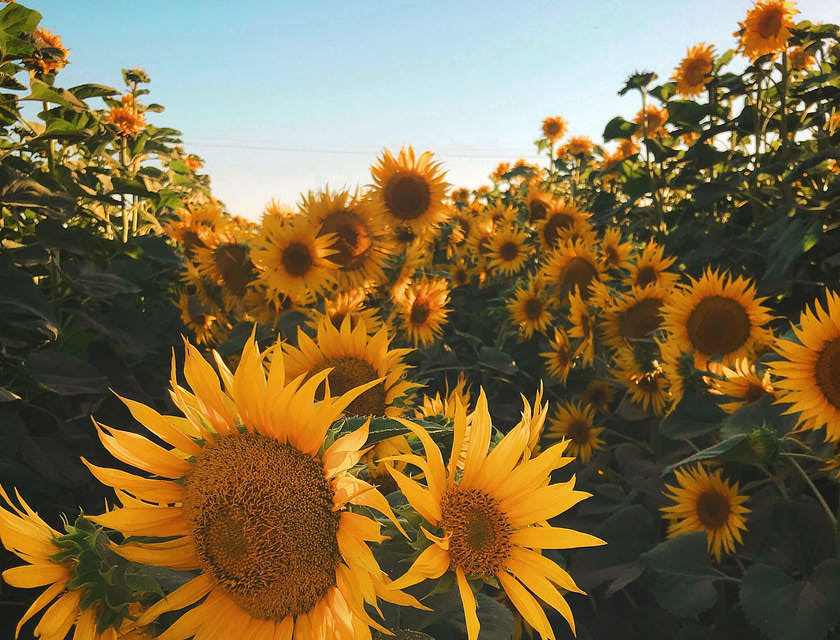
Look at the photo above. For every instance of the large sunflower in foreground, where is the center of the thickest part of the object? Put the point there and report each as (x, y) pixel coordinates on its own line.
(717, 315)
(355, 358)
(410, 191)
(706, 502)
(809, 373)
(249, 494)
(766, 28)
(692, 74)
(491, 520)
(359, 240)
(294, 259)
(423, 310)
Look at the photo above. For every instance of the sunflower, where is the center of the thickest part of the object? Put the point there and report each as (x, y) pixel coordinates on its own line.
(277, 214)
(293, 259)
(598, 395)
(423, 310)
(355, 358)
(492, 518)
(615, 254)
(539, 204)
(559, 360)
(833, 122)
(766, 28)
(348, 304)
(575, 421)
(573, 266)
(800, 59)
(704, 501)
(45, 39)
(647, 385)
(717, 315)
(508, 252)
(126, 118)
(226, 261)
(692, 74)
(359, 246)
(580, 145)
(462, 223)
(809, 372)
(445, 406)
(635, 317)
(561, 217)
(410, 191)
(529, 309)
(741, 382)
(251, 496)
(653, 119)
(678, 369)
(207, 327)
(554, 128)
(378, 459)
(460, 195)
(263, 307)
(195, 225)
(460, 273)
(650, 268)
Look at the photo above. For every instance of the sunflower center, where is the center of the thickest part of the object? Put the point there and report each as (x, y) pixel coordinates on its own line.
(407, 195)
(713, 509)
(297, 259)
(554, 225)
(827, 372)
(552, 128)
(479, 531)
(420, 312)
(770, 23)
(578, 431)
(579, 273)
(598, 395)
(640, 319)
(718, 325)
(348, 373)
(695, 72)
(234, 264)
(351, 237)
(533, 308)
(404, 235)
(537, 210)
(646, 275)
(648, 383)
(263, 525)
(509, 251)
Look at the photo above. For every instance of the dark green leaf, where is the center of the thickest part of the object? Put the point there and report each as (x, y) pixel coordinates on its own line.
(695, 415)
(619, 128)
(685, 597)
(64, 374)
(100, 284)
(785, 609)
(729, 449)
(42, 92)
(85, 91)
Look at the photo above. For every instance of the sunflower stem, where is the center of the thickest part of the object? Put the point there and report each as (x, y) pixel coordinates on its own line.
(819, 496)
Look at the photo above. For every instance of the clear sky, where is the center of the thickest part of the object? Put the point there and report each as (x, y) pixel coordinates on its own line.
(283, 96)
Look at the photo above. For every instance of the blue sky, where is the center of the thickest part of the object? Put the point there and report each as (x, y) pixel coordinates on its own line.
(280, 97)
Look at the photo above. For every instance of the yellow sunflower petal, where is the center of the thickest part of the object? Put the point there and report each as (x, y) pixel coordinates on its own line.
(526, 605)
(430, 564)
(29, 576)
(553, 538)
(468, 602)
(185, 595)
(48, 595)
(419, 498)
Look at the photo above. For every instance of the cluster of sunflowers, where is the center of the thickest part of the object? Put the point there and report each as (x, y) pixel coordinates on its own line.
(306, 488)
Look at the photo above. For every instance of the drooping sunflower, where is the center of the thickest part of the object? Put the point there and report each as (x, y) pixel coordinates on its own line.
(692, 74)
(508, 252)
(801, 59)
(264, 307)
(359, 240)
(583, 324)
(766, 28)
(226, 260)
(249, 494)
(423, 310)
(649, 267)
(573, 265)
(491, 520)
(646, 383)
(635, 317)
(31, 539)
(742, 383)
(575, 421)
(554, 128)
(562, 216)
(208, 327)
(809, 372)
(706, 502)
(348, 304)
(195, 225)
(356, 358)
(45, 39)
(598, 395)
(559, 360)
(293, 259)
(538, 203)
(717, 315)
(409, 191)
(462, 222)
(580, 145)
(678, 368)
(529, 309)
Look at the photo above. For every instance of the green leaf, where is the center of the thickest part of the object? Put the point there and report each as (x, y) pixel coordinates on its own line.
(15, 19)
(722, 60)
(695, 415)
(685, 556)
(687, 112)
(761, 413)
(142, 583)
(496, 359)
(85, 91)
(729, 449)
(685, 597)
(619, 128)
(64, 374)
(382, 428)
(785, 609)
(100, 284)
(42, 92)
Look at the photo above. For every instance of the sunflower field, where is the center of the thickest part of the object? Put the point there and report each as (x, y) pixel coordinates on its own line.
(597, 397)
